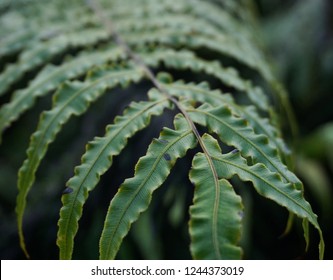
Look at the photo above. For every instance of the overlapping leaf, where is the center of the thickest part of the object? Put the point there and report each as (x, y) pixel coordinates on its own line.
(203, 94)
(97, 160)
(73, 98)
(171, 34)
(135, 194)
(228, 76)
(40, 53)
(267, 183)
(227, 43)
(236, 132)
(215, 216)
(49, 79)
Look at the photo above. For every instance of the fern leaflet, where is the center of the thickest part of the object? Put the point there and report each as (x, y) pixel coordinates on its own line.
(71, 99)
(97, 160)
(215, 216)
(135, 194)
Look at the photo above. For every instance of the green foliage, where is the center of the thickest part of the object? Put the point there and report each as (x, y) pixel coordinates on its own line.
(215, 223)
(84, 52)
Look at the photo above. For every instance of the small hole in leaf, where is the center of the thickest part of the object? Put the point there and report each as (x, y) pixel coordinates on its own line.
(234, 151)
(167, 156)
(67, 190)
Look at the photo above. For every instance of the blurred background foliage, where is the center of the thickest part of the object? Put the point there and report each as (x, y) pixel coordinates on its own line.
(298, 38)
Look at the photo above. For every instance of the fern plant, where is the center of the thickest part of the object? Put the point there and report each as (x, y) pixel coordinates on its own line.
(80, 51)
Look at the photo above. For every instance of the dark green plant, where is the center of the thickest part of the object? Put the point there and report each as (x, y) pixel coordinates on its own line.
(78, 51)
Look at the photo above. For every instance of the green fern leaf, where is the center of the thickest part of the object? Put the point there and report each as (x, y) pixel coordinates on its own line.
(263, 126)
(14, 42)
(226, 46)
(199, 10)
(49, 79)
(191, 19)
(77, 51)
(215, 216)
(223, 19)
(29, 32)
(267, 183)
(41, 53)
(71, 99)
(237, 132)
(135, 194)
(96, 160)
(203, 94)
(188, 60)
(207, 34)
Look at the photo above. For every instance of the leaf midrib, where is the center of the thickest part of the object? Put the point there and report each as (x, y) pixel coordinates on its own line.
(236, 106)
(281, 172)
(65, 106)
(21, 98)
(101, 152)
(248, 170)
(32, 158)
(158, 159)
(215, 207)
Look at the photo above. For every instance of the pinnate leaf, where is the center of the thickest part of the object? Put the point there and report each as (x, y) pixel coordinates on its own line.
(135, 194)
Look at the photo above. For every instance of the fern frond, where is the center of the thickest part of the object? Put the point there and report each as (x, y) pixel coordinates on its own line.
(207, 35)
(77, 51)
(135, 194)
(225, 46)
(49, 79)
(267, 183)
(263, 126)
(237, 132)
(15, 42)
(41, 53)
(203, 94)
(192, 19)
(215, 216)
(97, 160)
(72, 98)
(185, 59)
(28, 33)
(202, 10)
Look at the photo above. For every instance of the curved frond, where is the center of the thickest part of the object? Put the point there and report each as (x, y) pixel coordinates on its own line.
(237, 132)
(27, 32)
(185, 59)
(215, 216)
(267, 183)
(97, 160)
(49, 79)
(77, 51)
(203, 94)
(14, 42)
(72, 98)
(208, 36)
(41, 53)
(135, 194)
